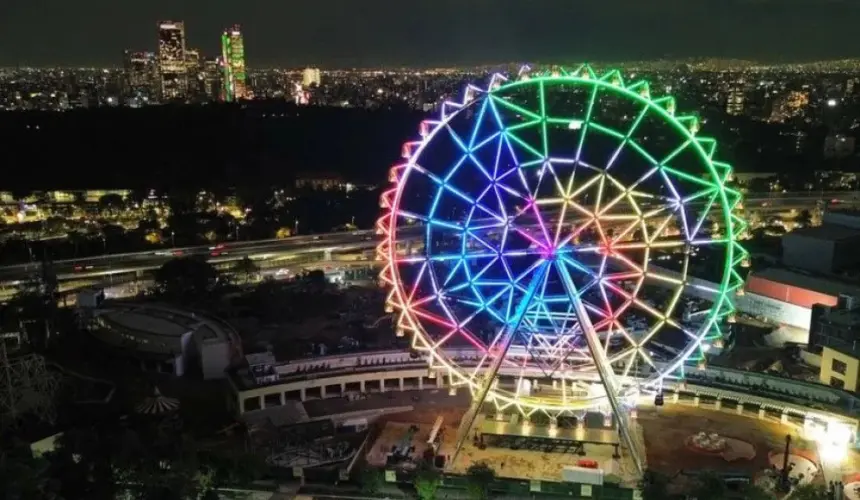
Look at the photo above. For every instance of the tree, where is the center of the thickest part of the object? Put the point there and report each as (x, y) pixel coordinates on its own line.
(654, 486)
(480, 477)
(810, 492)
(111, 203)
(89, 462)
(753, 492)
(427, 481)
(709, 487)
(247, 268)
(804, 218)
(79, 199)
(186, 278)
(371, 480)
(149, 460)
(24, 476)
(316, 278)
(235, 470)
(76, 238)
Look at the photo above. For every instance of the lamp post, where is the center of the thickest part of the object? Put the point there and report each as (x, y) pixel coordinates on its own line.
(784, 483)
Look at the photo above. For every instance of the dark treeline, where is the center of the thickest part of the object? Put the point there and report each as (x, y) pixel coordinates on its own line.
(214, 146)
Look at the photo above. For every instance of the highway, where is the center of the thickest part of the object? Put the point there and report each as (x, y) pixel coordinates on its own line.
(111, 264)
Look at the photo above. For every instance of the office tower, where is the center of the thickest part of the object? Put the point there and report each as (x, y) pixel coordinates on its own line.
(211, 74)
(310, 76)
(194, 69)
(140, 73)
(233, 59)
(172, 65)
(735, 99)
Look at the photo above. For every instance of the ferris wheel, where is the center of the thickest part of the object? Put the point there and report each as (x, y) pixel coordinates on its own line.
(562, 230)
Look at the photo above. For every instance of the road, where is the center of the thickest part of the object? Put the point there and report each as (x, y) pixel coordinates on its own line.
(105, 265)
(111, 264)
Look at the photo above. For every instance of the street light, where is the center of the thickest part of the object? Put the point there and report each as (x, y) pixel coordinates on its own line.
(172, 239)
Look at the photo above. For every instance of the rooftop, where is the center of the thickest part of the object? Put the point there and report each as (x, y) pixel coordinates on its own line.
(165, 321)
(829, 232)
(842, 317)
(826, 286)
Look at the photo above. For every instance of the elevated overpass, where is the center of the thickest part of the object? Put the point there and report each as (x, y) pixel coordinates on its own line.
(125, 263)
(140, 262)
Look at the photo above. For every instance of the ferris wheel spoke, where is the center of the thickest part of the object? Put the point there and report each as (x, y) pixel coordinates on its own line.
(586, 123)
(677, 200)
(627, 192)
(446, 187)
(627, 137)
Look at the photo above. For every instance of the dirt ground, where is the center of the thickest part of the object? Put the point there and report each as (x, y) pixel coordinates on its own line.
(665, 432)
(667, 429)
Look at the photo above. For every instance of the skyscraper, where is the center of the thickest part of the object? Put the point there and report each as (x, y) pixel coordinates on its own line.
(233, 59)
(212, 78)
(194, 68)
(140, 72)
(172, 64)
(735, 99)
(311, 76)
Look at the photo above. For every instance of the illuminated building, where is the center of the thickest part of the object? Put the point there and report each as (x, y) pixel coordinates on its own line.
(735, 100)
(791, 105)
(140, 72)
(211, 76)
(193, 67)
(172, 63)
(320, 181)
(311, 76)
(833, 335)
(233, 59)
(300, 95)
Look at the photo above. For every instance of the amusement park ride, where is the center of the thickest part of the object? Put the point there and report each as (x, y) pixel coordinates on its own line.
(543, 200)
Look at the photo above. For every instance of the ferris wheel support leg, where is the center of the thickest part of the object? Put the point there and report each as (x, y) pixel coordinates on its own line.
(506, 338)
(604, 369)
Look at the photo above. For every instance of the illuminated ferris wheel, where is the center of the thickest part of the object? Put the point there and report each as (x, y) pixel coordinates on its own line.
(550, 227)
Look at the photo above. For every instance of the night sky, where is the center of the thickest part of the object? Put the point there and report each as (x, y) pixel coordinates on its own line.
(341, 33)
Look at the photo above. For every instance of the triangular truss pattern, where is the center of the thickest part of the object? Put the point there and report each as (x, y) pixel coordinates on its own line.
(498, 198)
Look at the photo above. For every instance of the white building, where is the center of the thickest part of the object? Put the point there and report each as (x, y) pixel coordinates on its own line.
(168, 339)
(311, 76)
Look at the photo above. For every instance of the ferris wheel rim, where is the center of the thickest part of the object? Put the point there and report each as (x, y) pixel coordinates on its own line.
(417, 326)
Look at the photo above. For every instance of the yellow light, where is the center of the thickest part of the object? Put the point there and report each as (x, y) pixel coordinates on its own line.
(833, 441)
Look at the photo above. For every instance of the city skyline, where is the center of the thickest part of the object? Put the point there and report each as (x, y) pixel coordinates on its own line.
(335, 33)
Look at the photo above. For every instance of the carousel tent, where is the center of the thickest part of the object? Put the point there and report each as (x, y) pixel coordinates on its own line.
(157, 404)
